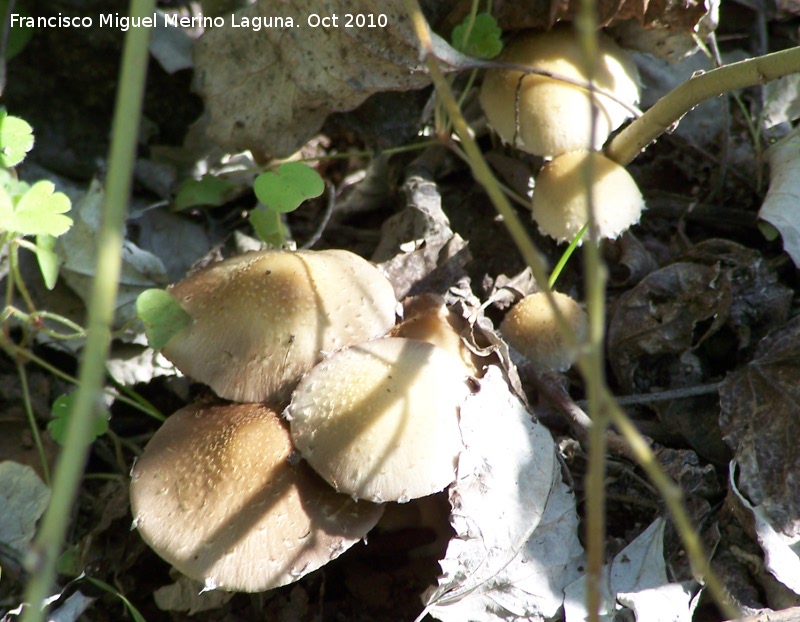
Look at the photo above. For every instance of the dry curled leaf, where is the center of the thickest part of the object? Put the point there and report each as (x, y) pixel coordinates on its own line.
(270, 90)
(760, 418)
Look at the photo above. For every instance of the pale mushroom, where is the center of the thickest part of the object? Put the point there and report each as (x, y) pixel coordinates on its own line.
(261, 320)
(379, 420)
(561, 203)
(216, 496)
(548, 117)
(530, 327)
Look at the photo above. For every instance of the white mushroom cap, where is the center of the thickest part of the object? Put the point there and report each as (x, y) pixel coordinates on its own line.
(379, 420)
(560, 205)
(215, 495)
(263, 319)
(530, 328)
(547, 117)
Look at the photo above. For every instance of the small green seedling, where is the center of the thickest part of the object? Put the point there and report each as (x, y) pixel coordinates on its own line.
(280, 192)
(61, 410)
(480, 38)
(208, 190)
(161, 315)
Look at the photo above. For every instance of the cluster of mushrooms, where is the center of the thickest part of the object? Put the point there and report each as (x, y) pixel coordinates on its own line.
(332, 411)
(329, 409)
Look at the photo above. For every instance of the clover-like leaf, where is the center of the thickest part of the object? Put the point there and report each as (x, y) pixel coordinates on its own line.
(161, 315)
(16, 139)
(285, 189)
(61, 412)
(40, 211)
(482, 40)
(268, 226)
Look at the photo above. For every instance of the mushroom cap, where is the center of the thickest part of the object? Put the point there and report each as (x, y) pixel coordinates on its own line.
(261, 320)
(216, 496)
(553, 117)
(530, 328)
(427, 318)
(560, 205)
(379, 420)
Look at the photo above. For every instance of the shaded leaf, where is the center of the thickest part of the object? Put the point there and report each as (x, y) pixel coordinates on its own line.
(161, 315)
(484, 40)
(780, 204)
(760, 417)
(57, 426)
(23, 499)
(268, 226)
(285, 189)
(16, 139)
(208, 190)
(300, 73)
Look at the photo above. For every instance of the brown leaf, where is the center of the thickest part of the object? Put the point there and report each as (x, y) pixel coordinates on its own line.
(760, 419)
(271, 89)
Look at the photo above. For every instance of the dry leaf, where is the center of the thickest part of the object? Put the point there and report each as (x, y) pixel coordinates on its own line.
(780, 205)
(270, 90)
(516, 543)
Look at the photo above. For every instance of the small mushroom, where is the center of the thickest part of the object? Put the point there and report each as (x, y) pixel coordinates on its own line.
(261, 320)
(548, 117)
(560, 201)
(427, 318)
(379, 420)
(216, 496)
(530, 328)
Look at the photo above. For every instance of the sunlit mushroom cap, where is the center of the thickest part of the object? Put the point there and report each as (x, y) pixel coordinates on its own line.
(530, 327)
(548, 117)
(261, 320)
(560, 201)
(379, 420)
(215, 495)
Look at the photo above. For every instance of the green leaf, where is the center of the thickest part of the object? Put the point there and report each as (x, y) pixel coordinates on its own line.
(483, 41)
(18, 35)
(41, 211)
(135, 614)
(208, 190)
(268, 226)
(47, 258)
(162, 316)
(16, 139)
(285, 189)
(61, 410)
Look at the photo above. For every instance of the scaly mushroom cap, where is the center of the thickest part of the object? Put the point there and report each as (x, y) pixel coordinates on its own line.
(560, 205)
(379, 420)
(215, 495)
(548, 117)
(530, 328)
(263, 319)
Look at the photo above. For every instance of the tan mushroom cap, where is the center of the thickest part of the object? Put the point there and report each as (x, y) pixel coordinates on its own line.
(560, 205)
(379, 420)
(530, 328)
(554, 117)
(263, 319)
(427, 318)
(215, 495)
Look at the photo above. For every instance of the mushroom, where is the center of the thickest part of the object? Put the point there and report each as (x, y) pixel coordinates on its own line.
(530, 328)
(379, 420)
(560, 201)
(548, 117)
(427, 318)
(261, 320)
(216, 496)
